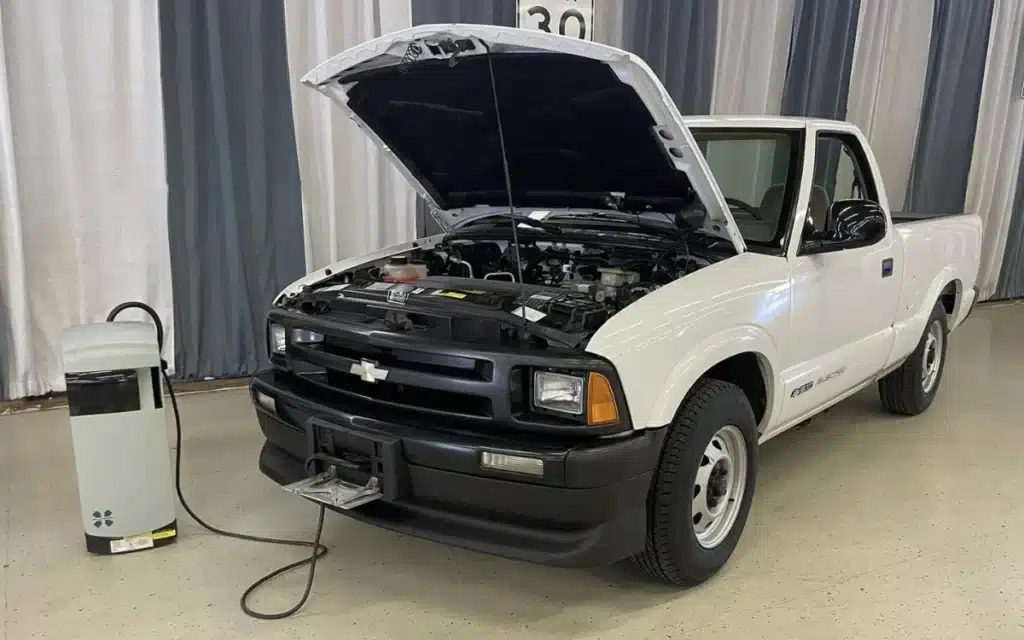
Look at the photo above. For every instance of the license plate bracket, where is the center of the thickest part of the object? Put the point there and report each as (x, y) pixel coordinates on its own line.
(358, 455)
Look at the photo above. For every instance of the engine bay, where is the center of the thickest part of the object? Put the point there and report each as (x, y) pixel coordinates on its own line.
(613, 275)
(568, 289)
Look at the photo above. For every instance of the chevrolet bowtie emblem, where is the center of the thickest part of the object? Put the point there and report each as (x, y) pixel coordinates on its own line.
(368, 371)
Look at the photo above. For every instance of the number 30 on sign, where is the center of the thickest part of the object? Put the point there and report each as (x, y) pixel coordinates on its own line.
(573, 18)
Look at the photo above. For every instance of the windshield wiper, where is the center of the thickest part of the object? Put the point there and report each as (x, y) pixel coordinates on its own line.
(520, 219)
(634, 220)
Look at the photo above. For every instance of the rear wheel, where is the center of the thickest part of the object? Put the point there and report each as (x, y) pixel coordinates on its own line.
(703, 487)
(911, 389)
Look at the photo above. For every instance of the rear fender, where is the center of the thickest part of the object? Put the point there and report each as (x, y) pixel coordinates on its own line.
(704, 356)
(920, 316)
(915, 314)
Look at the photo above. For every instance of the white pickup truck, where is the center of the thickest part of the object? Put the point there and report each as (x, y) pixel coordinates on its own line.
(623, 305)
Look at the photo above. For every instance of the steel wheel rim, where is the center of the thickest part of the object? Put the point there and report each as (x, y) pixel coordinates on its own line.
(931, 360)
(719, 486)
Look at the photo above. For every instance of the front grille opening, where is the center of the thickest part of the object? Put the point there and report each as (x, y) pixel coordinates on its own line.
(426, 324)
(437, 364)
(409, 396)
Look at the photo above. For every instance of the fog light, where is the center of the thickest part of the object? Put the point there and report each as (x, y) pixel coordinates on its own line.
(266, 402)
(512, 464)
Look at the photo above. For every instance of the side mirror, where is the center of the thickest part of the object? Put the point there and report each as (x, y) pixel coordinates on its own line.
(852, 224)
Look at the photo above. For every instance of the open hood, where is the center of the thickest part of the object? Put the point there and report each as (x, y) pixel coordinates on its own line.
(580, 121)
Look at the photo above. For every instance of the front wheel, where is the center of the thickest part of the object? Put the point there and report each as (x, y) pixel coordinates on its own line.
(911, 389)
(703, 487)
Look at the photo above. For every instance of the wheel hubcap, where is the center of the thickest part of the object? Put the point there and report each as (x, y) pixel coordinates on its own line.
(932, 357)
(718, 488)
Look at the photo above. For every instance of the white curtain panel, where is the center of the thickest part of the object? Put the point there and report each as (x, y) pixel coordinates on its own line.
(751, 56)
(83, 216)
(996, 160)
(353, 200)
(608, 21)
(890, 60)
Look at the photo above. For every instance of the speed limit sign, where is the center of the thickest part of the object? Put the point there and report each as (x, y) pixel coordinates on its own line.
(573, 18)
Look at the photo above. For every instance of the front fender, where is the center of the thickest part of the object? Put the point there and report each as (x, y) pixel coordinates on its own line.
(669, 395)
(662, 343)
(656, 379)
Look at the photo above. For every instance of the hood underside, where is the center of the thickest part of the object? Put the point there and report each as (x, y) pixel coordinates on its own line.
(556, 111)
(579, 121)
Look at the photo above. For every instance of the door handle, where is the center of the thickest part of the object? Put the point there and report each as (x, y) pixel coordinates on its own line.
(887, 267)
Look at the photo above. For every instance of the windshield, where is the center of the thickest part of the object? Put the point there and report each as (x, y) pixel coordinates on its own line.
(755, 170)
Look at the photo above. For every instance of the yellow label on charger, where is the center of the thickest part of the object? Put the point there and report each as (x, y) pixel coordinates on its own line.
(168, 533)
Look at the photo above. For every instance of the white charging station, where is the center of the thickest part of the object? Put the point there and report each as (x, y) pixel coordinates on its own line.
(119, 434)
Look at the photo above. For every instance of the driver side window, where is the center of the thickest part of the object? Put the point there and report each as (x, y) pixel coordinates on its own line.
(840, 173)
(843, 210)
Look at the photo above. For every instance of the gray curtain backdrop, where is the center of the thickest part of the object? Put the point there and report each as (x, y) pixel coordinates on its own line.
(1011, 275)
(498, 12)
(949, 114)
(818, 74)
(234, 214)
(820, 58)
(677, 39)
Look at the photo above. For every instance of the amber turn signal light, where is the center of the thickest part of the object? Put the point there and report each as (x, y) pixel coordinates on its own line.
(601, 407)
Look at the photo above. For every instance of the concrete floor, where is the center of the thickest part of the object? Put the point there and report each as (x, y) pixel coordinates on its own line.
(864, 526)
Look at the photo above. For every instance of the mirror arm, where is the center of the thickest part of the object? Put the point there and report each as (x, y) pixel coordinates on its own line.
(812, 247)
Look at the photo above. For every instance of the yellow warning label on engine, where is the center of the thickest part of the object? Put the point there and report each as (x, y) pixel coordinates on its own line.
(458, 295)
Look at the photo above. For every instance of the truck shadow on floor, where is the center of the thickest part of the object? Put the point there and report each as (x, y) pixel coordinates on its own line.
(458, 584)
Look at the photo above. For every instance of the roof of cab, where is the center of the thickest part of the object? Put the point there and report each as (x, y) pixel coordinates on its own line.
(779, 122)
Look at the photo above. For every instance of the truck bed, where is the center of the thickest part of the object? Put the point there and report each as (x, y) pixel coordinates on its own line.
(933, 245)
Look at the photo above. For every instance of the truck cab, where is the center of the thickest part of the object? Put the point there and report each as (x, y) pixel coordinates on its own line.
(851, 305)
(623, 305)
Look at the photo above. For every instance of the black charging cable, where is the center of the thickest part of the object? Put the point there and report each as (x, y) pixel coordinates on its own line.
(319, 550)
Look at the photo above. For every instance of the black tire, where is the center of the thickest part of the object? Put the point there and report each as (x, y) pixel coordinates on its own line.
(673, 553)
(903, 391)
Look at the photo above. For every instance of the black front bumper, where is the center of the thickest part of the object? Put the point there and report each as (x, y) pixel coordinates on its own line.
(589, 508)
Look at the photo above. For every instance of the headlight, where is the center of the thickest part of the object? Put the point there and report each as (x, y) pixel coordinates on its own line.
(558, 392)
(278, 339)
(304, 336)
(576, 395)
